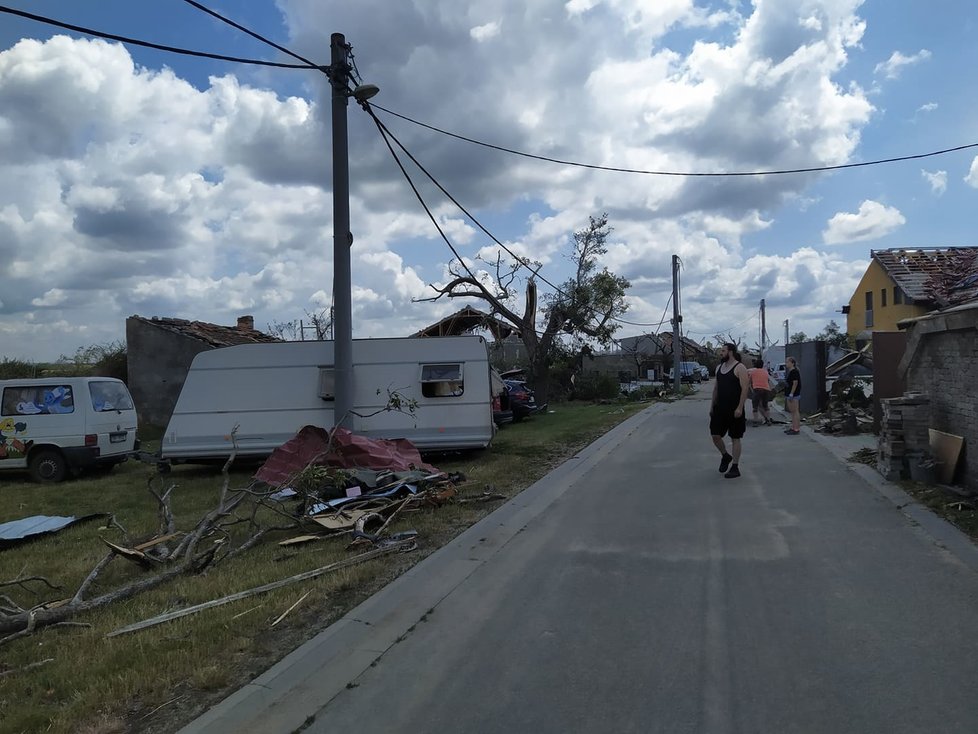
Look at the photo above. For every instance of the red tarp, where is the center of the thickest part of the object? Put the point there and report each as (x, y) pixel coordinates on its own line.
(349, 451)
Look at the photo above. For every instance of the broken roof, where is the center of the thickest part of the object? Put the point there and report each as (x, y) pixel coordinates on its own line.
(213, 334)
(467, 320)
(914, 268)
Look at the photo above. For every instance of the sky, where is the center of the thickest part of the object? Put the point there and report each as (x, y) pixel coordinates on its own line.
(142, 182)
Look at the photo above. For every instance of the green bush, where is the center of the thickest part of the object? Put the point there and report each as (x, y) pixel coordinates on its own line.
(17, 369)
(594, 386)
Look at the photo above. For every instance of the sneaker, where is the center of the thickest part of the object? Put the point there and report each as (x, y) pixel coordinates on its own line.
(733, 473)
(768, 422)
(792, 432)
(725, 462)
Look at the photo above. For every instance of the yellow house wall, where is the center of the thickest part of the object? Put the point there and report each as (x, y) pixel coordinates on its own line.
(885, 318)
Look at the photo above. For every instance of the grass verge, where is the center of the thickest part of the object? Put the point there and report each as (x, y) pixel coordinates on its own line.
(157, 679)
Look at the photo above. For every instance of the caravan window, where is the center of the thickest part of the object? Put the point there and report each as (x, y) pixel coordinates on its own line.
(38, 400)
(442, 380)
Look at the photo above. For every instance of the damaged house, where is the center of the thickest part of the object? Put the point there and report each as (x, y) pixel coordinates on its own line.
(940, 362)
(160, 351)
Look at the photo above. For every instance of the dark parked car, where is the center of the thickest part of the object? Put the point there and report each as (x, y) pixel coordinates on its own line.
(502, 413)
(521, 400)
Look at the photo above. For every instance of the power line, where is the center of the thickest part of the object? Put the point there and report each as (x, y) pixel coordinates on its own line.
(521, 261)
(689, 174)
(255, 35)
(149, 44)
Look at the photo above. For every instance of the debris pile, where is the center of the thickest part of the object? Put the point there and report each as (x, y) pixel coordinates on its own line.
(849, 410)
(903, 434)
(321, 484)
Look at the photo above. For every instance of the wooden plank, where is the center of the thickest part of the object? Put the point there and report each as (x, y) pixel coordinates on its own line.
(946, 448)
(305, 576)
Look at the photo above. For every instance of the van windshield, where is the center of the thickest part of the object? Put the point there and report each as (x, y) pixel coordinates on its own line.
(108, 396)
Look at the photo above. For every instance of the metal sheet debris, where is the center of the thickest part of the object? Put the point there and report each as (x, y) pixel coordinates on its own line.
(29, 528)
(312, 446)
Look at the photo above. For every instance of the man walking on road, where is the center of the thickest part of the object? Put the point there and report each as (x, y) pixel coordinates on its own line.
(727, 408)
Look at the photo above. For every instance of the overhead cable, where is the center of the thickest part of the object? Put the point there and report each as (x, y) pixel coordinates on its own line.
(253, 34)
(150, 44)
(688, 174)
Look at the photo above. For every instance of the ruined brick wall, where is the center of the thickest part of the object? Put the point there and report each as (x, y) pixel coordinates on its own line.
(945, 368)
(158, 364)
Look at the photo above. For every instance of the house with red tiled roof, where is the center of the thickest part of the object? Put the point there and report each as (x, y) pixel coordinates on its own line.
(160, 351)
(904, 283)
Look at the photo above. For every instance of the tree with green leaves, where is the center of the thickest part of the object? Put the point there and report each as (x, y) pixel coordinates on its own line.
(798, 337)
(584, 307)
(834, 335)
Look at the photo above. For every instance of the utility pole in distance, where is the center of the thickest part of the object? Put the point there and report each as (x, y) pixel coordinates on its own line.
(342, 239)
(763, 331)
(786, 332)
(677, 319)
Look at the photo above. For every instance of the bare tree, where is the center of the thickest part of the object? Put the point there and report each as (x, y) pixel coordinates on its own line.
(585, 306)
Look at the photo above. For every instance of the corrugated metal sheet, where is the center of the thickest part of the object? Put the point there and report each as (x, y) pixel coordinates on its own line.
(28, 528)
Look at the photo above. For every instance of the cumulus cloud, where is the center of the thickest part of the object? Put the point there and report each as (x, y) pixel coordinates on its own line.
(936, 179)
(486, 31)
(872, 221)
(927, 107)
(894, 66)
(972, 178)
(129, 190)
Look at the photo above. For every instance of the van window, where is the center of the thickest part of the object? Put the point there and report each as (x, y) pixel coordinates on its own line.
(442, 380)
(37, 400)
(108, 396)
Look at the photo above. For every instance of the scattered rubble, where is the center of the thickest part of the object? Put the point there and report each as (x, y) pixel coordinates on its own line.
(849, 410)
(324, 484)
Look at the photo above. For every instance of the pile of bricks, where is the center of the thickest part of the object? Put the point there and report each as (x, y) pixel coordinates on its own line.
(903, 433)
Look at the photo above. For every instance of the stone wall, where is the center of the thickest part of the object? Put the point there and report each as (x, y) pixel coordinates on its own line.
(942, 362)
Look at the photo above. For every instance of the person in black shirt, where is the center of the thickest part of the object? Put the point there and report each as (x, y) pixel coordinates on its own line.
(792, 396)
(727, 408)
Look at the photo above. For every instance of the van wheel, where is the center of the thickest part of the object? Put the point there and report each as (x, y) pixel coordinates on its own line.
(48, 466)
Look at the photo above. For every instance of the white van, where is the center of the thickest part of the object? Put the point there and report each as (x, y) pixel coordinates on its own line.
(56, 425)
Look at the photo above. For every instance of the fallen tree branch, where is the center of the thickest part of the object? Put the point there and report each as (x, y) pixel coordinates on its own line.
(21, 581)
(305, 576)
(90, 579)
(31, 666)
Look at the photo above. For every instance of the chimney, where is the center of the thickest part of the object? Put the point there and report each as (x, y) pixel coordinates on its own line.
(246, 323)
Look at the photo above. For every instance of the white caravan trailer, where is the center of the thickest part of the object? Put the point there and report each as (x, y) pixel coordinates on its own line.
(270, 391)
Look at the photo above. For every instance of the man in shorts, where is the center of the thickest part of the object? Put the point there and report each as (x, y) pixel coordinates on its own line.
(727, 408)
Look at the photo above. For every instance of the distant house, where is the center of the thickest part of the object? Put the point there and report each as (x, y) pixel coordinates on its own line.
(899, 284)
(160, 351)
(505, 351)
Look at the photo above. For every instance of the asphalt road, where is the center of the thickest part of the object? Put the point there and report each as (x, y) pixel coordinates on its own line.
(656, 596)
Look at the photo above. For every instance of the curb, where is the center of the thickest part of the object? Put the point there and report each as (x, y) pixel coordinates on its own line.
(289, 695)
(941, 532)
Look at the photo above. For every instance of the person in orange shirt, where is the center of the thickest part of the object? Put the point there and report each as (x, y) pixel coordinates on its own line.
(760, 382)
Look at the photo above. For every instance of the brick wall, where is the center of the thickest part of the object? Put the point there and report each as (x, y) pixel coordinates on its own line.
(945, 368)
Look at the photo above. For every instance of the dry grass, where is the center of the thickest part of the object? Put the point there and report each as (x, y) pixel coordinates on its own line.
(158, 678)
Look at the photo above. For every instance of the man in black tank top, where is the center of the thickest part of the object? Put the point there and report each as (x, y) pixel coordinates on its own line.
(727, 409)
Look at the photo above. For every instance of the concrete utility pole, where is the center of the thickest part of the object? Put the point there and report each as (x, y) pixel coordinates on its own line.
(677, 320)
(786, 332)
(763, 331)
(342, 239)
